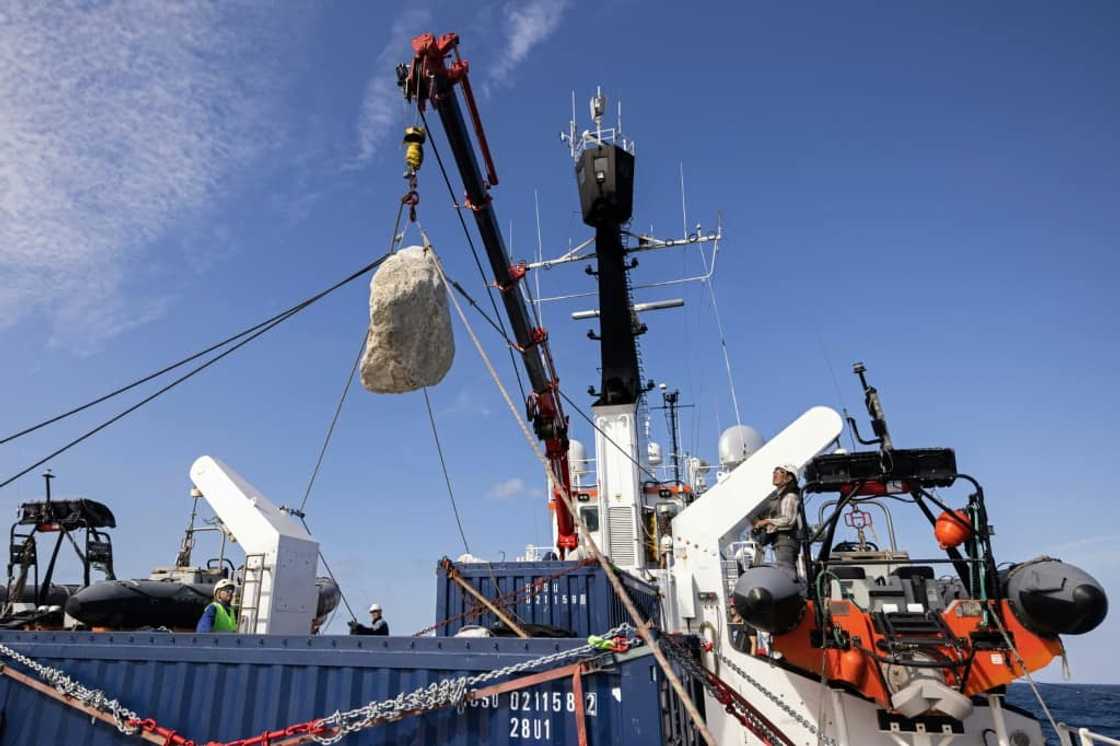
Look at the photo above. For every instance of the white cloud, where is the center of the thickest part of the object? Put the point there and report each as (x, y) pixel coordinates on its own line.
(383, 106)
(513, 487)
(527, 24)
(117, 120)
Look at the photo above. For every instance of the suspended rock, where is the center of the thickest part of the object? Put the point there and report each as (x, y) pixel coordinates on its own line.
(410, 344)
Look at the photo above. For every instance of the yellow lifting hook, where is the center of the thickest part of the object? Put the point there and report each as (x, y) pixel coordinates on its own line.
(414, 138)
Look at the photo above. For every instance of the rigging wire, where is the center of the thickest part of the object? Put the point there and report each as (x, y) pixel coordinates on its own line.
(836, 384)
(474, 253)
(726, 355)
(334, 421)
(274, 322)
(330, 572)
(443, 465)
(642, 625)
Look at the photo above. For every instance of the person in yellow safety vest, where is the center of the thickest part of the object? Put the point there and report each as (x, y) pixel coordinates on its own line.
(219, 615)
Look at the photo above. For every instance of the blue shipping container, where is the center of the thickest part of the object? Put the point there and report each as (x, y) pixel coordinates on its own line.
(577, 598)
(224, 687)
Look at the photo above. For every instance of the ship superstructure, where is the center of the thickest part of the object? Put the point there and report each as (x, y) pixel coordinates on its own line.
(665, 621)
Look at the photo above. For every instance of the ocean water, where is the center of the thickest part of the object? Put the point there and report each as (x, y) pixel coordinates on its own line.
(1092, 706)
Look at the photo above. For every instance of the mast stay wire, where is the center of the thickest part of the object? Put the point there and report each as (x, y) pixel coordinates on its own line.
(642, 625)
(260, 329)
(474, 252)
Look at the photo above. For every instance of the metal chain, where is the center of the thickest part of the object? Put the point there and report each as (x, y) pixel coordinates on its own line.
(444, 693)
(788, 709)
(439, 694)
(694, 669)
(95, 698)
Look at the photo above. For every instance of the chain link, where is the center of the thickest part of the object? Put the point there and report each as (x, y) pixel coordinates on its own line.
(95, 698)
(445, 693)
(706, 678)
(788, 709)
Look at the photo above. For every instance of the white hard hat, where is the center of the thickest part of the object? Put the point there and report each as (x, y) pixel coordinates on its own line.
(374, 607)
(788, 469)
(223, 584)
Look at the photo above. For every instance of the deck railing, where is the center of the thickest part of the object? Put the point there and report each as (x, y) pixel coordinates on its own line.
(1084, 736)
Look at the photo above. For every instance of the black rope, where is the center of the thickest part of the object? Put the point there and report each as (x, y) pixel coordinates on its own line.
(501, 331)
(446, 476)
(275, 321)
(474, 253)
(334, 421)
(608, 438)
(330, 573)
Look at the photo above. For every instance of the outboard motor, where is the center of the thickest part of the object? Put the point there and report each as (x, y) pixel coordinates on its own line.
(1052, 598)
(770, 599)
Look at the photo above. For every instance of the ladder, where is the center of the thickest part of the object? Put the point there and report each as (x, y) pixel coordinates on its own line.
(252, 588)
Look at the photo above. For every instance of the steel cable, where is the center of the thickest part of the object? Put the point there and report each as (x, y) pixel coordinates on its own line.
(260, 329)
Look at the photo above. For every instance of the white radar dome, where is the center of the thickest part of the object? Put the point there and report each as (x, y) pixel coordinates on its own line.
(736, 444)
(653, 453)
(577, 457)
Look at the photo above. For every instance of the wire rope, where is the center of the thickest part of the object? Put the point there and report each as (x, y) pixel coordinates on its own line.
(334, 421)
(276, 321)
(443, 466)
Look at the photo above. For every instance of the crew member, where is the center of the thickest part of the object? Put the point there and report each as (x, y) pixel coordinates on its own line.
(785, 520)
(219, 615)
(377, 625)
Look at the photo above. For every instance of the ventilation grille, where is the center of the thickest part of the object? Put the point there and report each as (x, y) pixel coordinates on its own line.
(621, 522)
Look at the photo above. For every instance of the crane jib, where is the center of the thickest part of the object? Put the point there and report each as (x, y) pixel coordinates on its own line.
(430, 80)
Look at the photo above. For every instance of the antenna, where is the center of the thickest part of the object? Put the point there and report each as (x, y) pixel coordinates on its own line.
(578, 141)
(540, 258)
(684, 211)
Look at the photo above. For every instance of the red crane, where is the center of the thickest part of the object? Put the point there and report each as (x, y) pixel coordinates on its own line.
(431, 79)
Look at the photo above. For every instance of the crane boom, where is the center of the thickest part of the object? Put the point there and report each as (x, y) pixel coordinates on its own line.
(429, 79)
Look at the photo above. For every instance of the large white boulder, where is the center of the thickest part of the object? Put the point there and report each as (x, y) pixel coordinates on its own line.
(410, 344)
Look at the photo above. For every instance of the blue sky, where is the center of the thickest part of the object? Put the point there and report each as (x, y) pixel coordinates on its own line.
(930, 188)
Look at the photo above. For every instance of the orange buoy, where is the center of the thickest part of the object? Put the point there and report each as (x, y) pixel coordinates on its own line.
(952, 529)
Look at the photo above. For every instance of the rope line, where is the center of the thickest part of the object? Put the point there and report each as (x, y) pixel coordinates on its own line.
(330, 572)
(443, 465)
(608, 438)
(276, 321)
(1026, 672)
(587, 541)
(149, 377)
(334, 421)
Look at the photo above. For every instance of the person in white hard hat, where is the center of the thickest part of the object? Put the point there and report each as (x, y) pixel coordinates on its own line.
(377, 625)
(785, 519)
(219, 615)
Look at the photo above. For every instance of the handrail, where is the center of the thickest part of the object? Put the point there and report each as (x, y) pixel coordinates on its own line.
(1085, 737)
